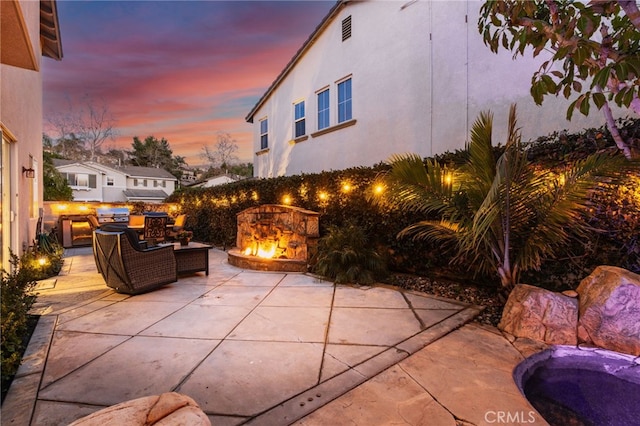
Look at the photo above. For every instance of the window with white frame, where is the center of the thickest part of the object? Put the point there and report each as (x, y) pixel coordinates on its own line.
(344, 101)
(299, 119)
(323, 109)
(264, 133)
(110, 181)
(81, 180)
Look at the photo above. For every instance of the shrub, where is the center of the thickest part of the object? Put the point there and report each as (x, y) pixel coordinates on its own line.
(17, 299)
(345, 256)
(44, 259)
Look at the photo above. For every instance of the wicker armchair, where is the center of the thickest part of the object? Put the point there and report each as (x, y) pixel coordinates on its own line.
(127, 268)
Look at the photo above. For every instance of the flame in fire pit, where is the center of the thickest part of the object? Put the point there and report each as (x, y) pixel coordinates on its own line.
(264, 250)
(267, 253)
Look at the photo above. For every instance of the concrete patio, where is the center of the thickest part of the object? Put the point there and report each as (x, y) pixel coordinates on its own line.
(265, 349)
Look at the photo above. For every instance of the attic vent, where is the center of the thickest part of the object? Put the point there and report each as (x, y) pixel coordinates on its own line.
(346, 28)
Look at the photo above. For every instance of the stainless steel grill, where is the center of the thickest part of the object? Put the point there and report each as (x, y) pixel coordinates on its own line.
(112, 214)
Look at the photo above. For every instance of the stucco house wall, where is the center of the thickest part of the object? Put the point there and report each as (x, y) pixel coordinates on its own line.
(21, 118)
(420, 76)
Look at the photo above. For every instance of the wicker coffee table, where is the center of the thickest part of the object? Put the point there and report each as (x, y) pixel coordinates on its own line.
(191, 258)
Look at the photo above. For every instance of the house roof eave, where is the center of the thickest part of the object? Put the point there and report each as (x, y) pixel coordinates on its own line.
(305, 47)
(50, 38)
(79, 164)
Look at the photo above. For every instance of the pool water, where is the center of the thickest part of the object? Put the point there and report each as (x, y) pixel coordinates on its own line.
(571, 386)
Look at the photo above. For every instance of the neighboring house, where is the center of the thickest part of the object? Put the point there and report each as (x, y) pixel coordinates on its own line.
(97, 182)
(216, 180)
(188, 177)
(377, 78)
(29, 30)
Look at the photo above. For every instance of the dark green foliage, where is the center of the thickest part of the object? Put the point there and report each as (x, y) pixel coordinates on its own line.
(17, 299)
(615, 240)
(156, 153)
(55, 186)
(559, 147)
(52, 262)
(501, 214)
(44, 258)
(345, 256)
(595, 47)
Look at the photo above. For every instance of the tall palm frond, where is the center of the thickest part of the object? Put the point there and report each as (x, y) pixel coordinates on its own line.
(563, 205)
(513, 215)
(433, 230)
(413, 186)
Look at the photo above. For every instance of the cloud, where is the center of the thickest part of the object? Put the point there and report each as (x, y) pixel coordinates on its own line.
(178, 70)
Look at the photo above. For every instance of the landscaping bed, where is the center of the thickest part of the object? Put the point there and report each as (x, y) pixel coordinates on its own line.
(32, 322)
(472, 294)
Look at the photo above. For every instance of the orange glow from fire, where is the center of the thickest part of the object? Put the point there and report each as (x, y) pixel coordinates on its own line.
(266, 253)
(266, 250)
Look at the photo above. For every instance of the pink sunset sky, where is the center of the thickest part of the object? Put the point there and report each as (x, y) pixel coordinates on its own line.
(179, 70)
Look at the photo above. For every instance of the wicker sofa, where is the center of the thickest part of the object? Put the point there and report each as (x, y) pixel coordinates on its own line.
(128, 268)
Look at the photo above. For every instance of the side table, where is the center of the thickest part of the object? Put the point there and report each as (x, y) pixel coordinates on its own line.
(193, 257)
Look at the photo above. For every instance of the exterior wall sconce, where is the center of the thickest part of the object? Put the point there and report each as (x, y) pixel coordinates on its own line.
(28, 173)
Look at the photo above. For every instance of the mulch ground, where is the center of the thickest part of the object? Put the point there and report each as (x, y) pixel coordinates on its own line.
(473, 294)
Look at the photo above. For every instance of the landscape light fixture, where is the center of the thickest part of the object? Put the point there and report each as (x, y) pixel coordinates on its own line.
(28, 173)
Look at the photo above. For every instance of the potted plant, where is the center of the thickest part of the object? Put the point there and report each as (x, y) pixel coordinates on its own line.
(184, 237)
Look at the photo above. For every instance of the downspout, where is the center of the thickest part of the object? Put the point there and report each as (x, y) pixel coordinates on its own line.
(466, 77)
(430, 79)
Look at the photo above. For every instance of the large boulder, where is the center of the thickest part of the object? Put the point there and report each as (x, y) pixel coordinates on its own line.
(166, 409)
(610, 309)
(540, 314)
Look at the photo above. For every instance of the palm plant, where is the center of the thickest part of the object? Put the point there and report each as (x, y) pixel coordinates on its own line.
(497, 215)
(346, 256)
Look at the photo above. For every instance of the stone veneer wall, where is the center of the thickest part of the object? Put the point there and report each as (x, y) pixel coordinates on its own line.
(293, 229)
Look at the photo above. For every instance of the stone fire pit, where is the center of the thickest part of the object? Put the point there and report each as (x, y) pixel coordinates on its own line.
(274, 237)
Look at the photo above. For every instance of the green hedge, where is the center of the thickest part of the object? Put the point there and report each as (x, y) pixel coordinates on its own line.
(212, 211)
(17, 299)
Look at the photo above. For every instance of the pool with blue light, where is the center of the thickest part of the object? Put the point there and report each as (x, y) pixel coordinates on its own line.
(582, 386)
